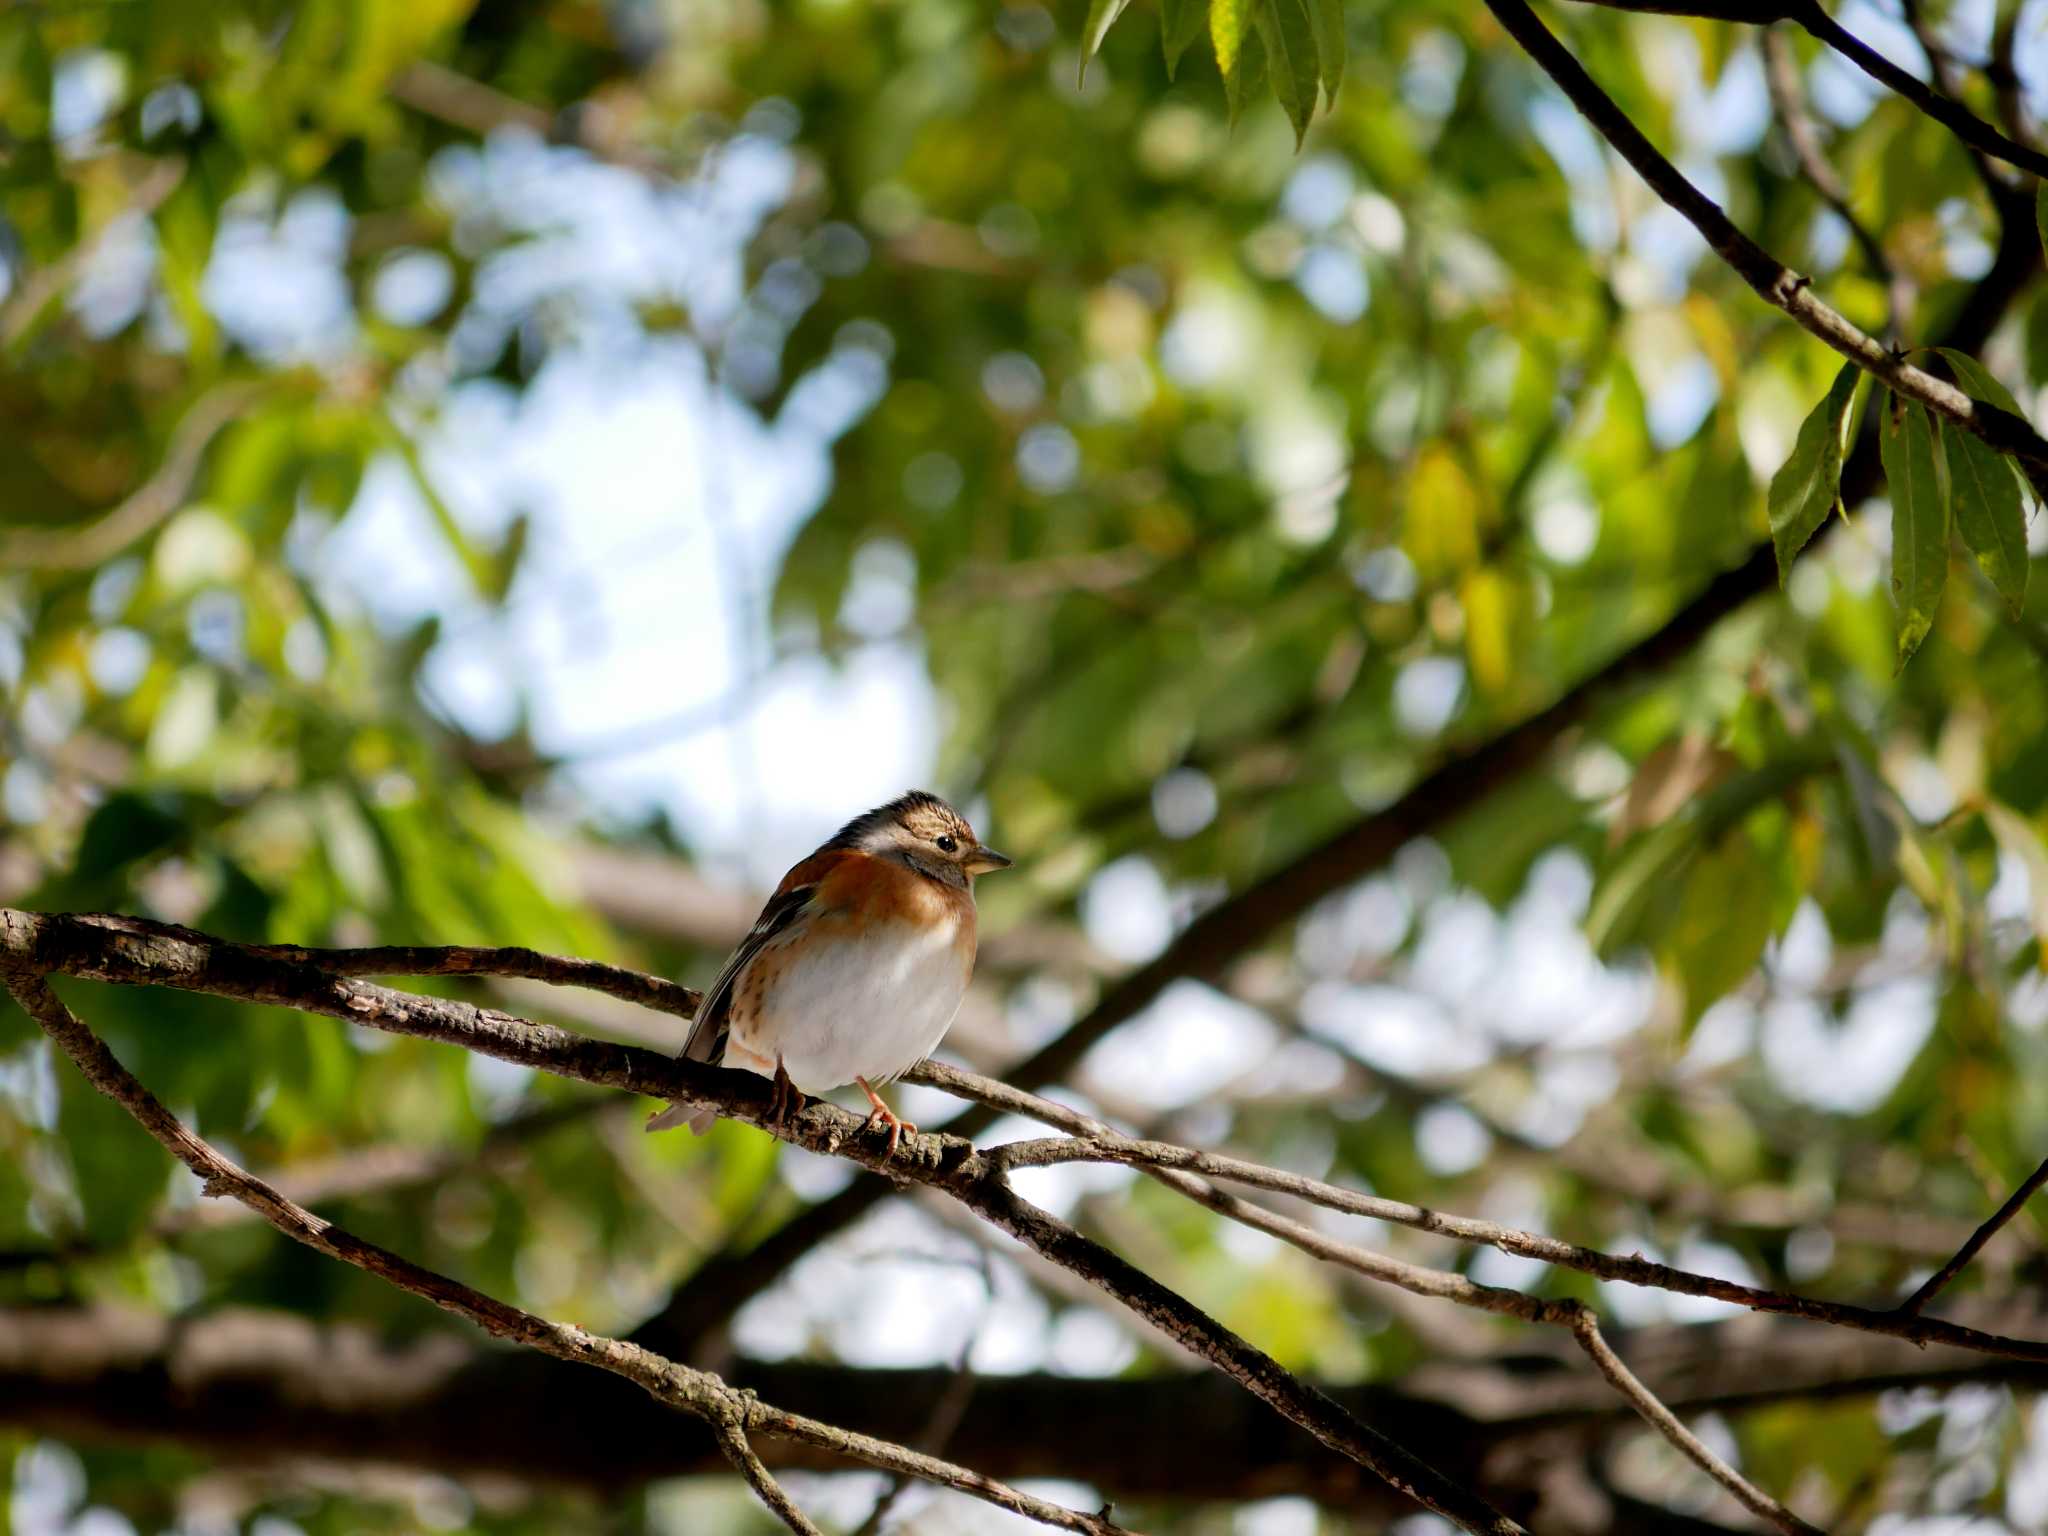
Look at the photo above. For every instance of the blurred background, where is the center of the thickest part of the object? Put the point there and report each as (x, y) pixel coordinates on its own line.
(524, 472)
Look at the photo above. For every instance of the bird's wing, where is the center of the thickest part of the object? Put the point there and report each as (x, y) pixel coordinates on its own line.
(793, 897)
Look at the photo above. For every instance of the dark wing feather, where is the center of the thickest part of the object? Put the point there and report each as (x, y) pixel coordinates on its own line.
(714, 1014)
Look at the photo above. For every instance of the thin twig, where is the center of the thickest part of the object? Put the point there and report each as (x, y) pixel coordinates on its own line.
(1568, 1313)
(733, 1441)
(1934, 1283)
(1958, 119)
(1585, 1328)
(1788, 95)
(1952, 115)
(1089, 1144)
(698, 1393)
(75, 549)
(656, 992)
(40, 286)
(1776, 283)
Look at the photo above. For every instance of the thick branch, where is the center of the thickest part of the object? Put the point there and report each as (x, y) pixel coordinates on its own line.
(1776, 283)
(134, 952)
(697, 1393)
(257, 1385)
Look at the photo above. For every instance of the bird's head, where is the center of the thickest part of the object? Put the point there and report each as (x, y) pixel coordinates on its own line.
(925, 833)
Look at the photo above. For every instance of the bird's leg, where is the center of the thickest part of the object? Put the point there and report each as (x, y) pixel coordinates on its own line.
(882, 1114)
(788, 1098)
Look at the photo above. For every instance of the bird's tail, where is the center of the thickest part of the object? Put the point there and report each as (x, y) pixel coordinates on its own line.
(698, 1120)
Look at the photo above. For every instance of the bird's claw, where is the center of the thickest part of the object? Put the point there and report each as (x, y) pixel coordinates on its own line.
(882, 1114)
(786, 1098)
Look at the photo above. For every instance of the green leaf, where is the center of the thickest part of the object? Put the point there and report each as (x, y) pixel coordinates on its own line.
(1976, 381)
(1914, 466)
(1248, 68)
(1723, 921)
(1180, 23)
(1228, 26)
(2041, 212)
(1102, 15)
(1290, 40)
(1809, 483)
(1989, 513)
(1331, 43)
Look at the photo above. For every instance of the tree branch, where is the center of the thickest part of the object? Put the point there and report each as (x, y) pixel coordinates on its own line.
(1776, 283)
(80, 548)
(1788, 96)
(1096, 1143)
(1809, 14)
(733, 1441)
(1585, 1328)
(698, 1393)
(132, 951)
(1934, 1283)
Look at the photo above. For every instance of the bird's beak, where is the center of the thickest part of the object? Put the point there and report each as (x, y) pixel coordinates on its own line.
(982, 860)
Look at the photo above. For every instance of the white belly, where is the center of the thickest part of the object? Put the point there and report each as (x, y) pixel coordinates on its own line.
(845, 1011)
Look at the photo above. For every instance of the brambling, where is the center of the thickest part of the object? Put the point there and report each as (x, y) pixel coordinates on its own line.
(854, 969)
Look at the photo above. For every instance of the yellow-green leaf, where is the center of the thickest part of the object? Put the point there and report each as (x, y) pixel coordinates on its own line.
(1988, 512)
(1920, 519)
(1809, 483)
(1229, 22)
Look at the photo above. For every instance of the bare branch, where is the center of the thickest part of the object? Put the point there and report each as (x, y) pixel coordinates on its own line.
(1094, 1142)
(74, 549)
(1585, 1328)
(654, 992)
(733, 1441)
(135, 952)
(1776, 283)
(1568, 1313)
(40, 286)
(694, 1392)
(1934, 1283)
(1952, 115)
(1788, 95)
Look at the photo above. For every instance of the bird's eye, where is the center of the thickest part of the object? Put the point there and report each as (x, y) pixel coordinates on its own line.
(947, 845)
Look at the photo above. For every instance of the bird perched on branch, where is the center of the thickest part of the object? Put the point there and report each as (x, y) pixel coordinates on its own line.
(853, 971)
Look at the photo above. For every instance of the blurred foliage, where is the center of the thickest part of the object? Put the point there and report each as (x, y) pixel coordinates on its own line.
(1246, 451)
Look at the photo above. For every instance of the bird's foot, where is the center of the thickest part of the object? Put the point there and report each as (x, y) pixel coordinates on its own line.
(882, 1114)
(788, 1098)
